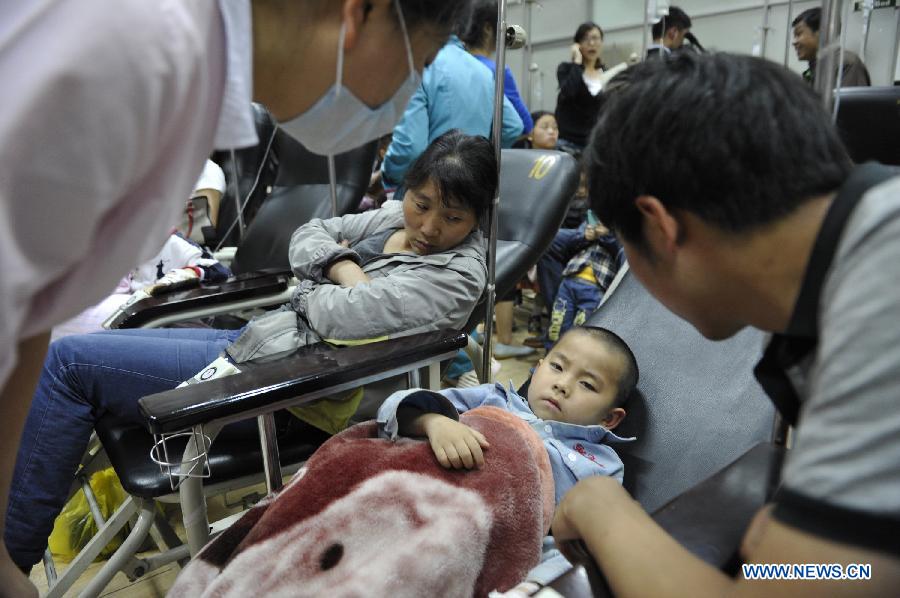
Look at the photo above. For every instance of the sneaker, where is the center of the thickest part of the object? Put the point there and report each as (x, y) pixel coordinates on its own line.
(502, 351)
(468, 380)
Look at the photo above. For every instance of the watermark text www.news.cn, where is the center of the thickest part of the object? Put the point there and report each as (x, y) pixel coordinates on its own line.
(807, 571)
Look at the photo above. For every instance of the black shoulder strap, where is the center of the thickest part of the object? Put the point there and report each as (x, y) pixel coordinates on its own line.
(787, 350)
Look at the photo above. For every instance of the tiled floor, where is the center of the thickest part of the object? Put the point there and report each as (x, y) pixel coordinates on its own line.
(158, 582)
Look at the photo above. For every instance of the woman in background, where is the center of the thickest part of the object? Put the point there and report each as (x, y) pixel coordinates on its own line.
(580, 81)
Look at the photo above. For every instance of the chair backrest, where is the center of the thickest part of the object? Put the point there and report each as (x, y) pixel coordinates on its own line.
(249, 173)
(300, 193)
(699, 406)
(869, 123)
(535, 189)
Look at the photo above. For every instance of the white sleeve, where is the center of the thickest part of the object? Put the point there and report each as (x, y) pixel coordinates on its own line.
(102, 132)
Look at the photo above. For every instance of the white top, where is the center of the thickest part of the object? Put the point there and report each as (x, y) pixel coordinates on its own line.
(108, 115)
(594, 85)
(212, 177)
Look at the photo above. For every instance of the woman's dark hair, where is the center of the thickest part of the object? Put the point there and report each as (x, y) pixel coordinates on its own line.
(582, 32)
(462, 168)
(483, 13)
(812, 17)
(540, 114)
(676, 18)
(739, 142)
(443, 15)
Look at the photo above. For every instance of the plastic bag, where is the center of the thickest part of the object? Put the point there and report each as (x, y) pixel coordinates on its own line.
(75, 526)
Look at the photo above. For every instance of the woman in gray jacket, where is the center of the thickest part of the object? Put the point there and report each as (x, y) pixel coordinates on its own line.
(399, 270)
(410, 267)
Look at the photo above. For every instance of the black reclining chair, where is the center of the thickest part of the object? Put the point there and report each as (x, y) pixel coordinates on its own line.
(535, 190)
(186, 419)
(286, 186)
(868, 120)
(703, 462)
(273, 169)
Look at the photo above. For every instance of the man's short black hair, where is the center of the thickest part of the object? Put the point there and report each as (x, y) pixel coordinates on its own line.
(629, 379)
(738, 141)
(677, 18)
(812, 17)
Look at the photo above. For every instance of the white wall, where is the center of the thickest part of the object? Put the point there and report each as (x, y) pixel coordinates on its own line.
(724, 25)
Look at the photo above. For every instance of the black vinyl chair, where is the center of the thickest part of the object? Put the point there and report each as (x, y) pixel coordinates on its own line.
(868, 120)
(181, 420)
(285, 186)
(536, 187)
(280, 169)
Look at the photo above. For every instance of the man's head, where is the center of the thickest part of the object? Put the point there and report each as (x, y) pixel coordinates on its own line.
(671, 29)
(585, 379)
(806, 34)
(729, 145)
(296, 47)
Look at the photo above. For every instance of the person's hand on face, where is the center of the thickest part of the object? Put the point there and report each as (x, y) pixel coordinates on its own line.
(456, 445)
(575, 50)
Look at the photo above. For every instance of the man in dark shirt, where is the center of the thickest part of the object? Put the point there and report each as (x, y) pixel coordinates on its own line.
(669, 33)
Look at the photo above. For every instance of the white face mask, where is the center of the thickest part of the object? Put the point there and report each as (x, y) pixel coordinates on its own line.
(340, 122)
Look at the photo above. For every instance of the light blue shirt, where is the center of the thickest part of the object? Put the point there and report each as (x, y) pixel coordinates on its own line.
(457, 92)
(575, 451)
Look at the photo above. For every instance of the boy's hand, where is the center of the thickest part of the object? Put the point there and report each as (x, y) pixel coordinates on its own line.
(455, 445)
(590, 233)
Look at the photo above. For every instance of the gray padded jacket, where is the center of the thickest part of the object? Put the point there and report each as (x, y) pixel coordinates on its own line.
(407, 294)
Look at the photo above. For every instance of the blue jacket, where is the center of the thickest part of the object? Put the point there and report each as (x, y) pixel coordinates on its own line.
(457, 92)
(511, 91)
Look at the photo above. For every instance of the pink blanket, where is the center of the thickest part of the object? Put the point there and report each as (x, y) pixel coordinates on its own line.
(371, 517)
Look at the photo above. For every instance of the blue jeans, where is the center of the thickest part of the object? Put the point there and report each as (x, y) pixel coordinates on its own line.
(551, 264)
(84, 378)
(575, 302)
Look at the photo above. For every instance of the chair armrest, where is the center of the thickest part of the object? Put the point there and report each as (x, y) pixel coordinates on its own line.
(238, 288)
(299, 377)
(710, 519)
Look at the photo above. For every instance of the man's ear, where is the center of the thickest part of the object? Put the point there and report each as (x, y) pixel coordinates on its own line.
(613, 418)
(661, 228)
(353, 15)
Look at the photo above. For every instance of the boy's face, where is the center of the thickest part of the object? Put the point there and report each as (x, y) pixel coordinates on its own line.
(577, 382)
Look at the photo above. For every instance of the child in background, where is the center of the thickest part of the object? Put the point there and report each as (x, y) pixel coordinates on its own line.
(586, 277)
(575, 398)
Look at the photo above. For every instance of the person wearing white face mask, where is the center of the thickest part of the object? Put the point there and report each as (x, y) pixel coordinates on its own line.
(109, 115)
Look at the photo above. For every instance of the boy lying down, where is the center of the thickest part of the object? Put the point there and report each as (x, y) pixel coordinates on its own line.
(460, 515)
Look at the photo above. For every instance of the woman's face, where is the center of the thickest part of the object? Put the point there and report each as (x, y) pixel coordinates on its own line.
(591, 45)
(545, 133)
(431, 226)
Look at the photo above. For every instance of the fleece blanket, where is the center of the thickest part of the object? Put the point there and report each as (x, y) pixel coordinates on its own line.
(371, 517)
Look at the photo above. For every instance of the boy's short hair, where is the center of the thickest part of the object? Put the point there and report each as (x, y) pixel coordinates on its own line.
(811, 17)
(738, 141)
(629, 379)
